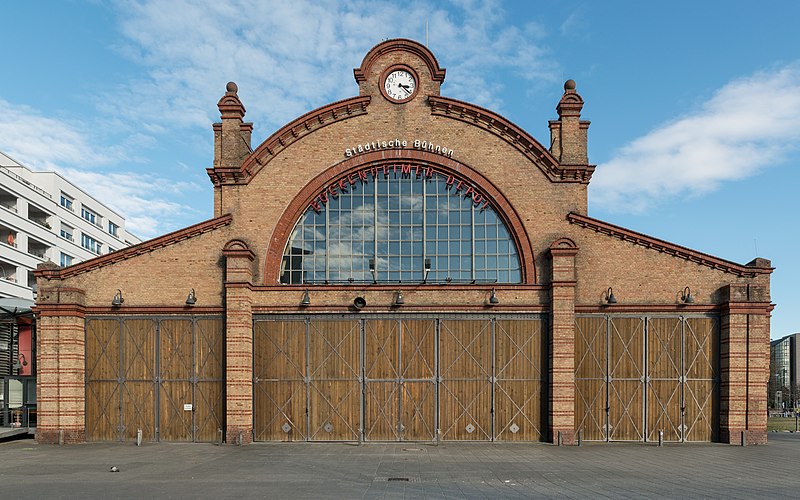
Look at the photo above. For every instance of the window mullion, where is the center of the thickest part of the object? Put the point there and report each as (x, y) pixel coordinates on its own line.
(375, 224)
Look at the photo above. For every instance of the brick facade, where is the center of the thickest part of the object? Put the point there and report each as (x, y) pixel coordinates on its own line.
(569, 259)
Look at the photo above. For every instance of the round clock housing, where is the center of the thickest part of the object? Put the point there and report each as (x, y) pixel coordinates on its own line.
(399, 84)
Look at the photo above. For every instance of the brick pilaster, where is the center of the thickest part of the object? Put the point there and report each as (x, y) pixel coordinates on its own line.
(60, 364)
(561, 405)
(238, 343)
(744, 364)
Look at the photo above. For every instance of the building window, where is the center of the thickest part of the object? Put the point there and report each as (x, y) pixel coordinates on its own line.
(66, 260)
(401, 228)
(66, 233)
(66, 201)
(111, 250)
(89, 215)
(90, 244)
(113, 229)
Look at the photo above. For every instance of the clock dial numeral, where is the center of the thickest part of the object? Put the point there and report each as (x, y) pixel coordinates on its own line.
(400, 85)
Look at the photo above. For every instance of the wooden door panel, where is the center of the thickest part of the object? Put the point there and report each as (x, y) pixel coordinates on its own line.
(381, 416)
(175, 423)
(102, 411)
(209, 413)
(664, 410)
(279, 387)
(626, 410)
(590, 409)
(279, 403)
(418, 411)
(518, 410)
(334, 390)
(335, 407)
(664, 369)
(138, 410)
(464, 410)
(518, 390)
(591, 359)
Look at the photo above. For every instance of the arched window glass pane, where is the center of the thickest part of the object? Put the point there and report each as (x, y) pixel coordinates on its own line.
(400, 228)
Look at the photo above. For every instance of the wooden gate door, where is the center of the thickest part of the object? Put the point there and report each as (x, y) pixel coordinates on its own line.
(209, 376)
(465, 386)
(382, 380)
(399, 380)
(103, 350)
(138, 379)
(664, 376)
(334, 380)
(141, 372)
(701, 400)
(591, 371)
(175, 387)
(279, 380)
(626, 379)
(518, 402)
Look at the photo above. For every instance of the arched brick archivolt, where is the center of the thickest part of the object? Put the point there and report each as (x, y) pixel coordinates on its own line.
(439, 163)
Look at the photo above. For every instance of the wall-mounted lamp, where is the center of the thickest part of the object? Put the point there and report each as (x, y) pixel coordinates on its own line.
(427, 270)
(493, 300)
(191, 299)
(686, 296)
(306, 300)
(117, 300)
(610, 296)
(398, 300)
(372, 270)
(359, 302)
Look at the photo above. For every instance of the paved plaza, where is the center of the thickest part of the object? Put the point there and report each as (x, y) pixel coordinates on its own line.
(402, 470)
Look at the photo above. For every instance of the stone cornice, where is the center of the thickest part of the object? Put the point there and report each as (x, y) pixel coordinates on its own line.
(666, 247)
(141, 248)
(289, 133)
(512, 134)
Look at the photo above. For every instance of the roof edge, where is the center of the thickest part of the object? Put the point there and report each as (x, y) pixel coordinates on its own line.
(666, 247)
(297, 128)
(133, 251)
(513, 135)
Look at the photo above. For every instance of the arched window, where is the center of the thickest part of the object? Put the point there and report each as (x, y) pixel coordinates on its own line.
(400, 226)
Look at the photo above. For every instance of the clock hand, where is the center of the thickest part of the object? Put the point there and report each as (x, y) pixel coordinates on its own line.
(404, 87)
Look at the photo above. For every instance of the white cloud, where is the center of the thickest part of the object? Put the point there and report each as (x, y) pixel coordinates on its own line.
(291, 57)
(287, 58)
(43, 143)
(746, 126)
(145, 200)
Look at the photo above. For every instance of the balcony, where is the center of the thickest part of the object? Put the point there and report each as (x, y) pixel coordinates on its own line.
(8, 272)
(8, 236)
(38, 216)
(37, 249)
(8, 200)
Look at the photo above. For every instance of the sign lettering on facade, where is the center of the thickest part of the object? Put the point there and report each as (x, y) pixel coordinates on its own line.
(343, 184)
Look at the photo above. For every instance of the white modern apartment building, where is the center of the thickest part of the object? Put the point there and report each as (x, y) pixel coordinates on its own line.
(45, 217)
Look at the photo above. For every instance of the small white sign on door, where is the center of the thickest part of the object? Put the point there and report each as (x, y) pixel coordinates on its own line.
(187, 407)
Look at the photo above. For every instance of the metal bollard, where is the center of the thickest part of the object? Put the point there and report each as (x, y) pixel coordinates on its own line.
(240, 438)
(559, 440)
(219, 437)
(660, 437)
(580, 438)
(61, 437)
(139, 437)
(744, 438)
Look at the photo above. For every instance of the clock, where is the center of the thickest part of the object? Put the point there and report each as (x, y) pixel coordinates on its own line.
(399, 85)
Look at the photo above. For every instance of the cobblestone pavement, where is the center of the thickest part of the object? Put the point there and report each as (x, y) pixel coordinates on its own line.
(402, 470)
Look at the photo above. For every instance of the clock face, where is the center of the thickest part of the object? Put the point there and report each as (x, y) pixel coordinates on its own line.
(400, 85)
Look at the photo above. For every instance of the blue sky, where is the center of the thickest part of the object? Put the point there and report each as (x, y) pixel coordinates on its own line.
(695, 106)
